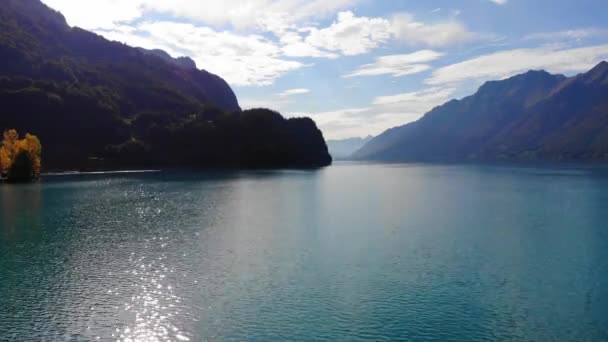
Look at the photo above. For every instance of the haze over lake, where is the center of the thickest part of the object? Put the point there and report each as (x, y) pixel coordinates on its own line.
(349, 252)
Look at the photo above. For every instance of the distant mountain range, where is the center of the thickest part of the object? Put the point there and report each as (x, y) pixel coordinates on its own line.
(90, 99)
(344, 148)
(532, 116)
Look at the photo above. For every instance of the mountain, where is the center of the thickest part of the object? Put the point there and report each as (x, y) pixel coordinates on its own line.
(532, 116)
(344, 148)
(182, 62)
(88, 98)
(37, 43)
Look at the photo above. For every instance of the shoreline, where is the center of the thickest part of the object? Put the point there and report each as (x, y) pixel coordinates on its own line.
(110, 172)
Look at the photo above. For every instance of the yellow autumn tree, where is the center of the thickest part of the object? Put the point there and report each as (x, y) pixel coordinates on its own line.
(13, 148)
(8, 150)
(32, 146)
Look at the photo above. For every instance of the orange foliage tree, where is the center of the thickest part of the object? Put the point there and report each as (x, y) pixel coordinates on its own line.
(12, 147)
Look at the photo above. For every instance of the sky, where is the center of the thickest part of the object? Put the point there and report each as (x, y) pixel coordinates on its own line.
(357, 67)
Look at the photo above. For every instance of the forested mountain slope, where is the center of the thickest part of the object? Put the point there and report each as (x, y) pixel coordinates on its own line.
(535, 115)
(88, 98)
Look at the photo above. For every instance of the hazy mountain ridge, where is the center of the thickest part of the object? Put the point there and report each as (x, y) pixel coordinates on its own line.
(344, 148)
(535, 115)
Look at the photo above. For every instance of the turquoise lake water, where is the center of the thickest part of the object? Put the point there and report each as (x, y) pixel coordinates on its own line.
(351, 252)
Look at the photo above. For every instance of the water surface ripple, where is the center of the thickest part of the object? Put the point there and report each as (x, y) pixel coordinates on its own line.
(351, 252)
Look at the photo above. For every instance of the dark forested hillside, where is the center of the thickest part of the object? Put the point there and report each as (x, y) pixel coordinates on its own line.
(87, 98)
(36, 42)
(530, 116)
(252, 138)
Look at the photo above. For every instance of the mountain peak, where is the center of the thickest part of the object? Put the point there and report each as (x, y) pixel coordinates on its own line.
(598, 75)
(537, 75)
(526, 76)
(182, 62)
(37, 13)
(601, 68)
(528, 87)
(533, 72)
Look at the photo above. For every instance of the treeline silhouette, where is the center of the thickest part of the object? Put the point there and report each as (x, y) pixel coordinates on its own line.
(82, 128)
(252, 138)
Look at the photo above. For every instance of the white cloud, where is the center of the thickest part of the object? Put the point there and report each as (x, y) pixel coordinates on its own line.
(407, 29)
(415, 103)
(291, 92)
(500, 2)
(385, 112)
(95, 14)
(131, 35)
(503, 64)
(280, 101)
(301, 49)
(398, 65)
(577, 34)
(295, 46)
(344, 123)
(247, 59)
(351, 35)
(240, 59)
(247, 13)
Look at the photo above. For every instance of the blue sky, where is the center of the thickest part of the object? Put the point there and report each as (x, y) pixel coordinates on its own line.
(357, 67)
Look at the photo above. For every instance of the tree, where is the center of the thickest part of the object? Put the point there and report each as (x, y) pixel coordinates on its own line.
(31, 145)
(8, 150)
(20, 160)
(22, 169)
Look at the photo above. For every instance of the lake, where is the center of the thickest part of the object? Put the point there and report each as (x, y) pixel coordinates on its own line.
(350, 252)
